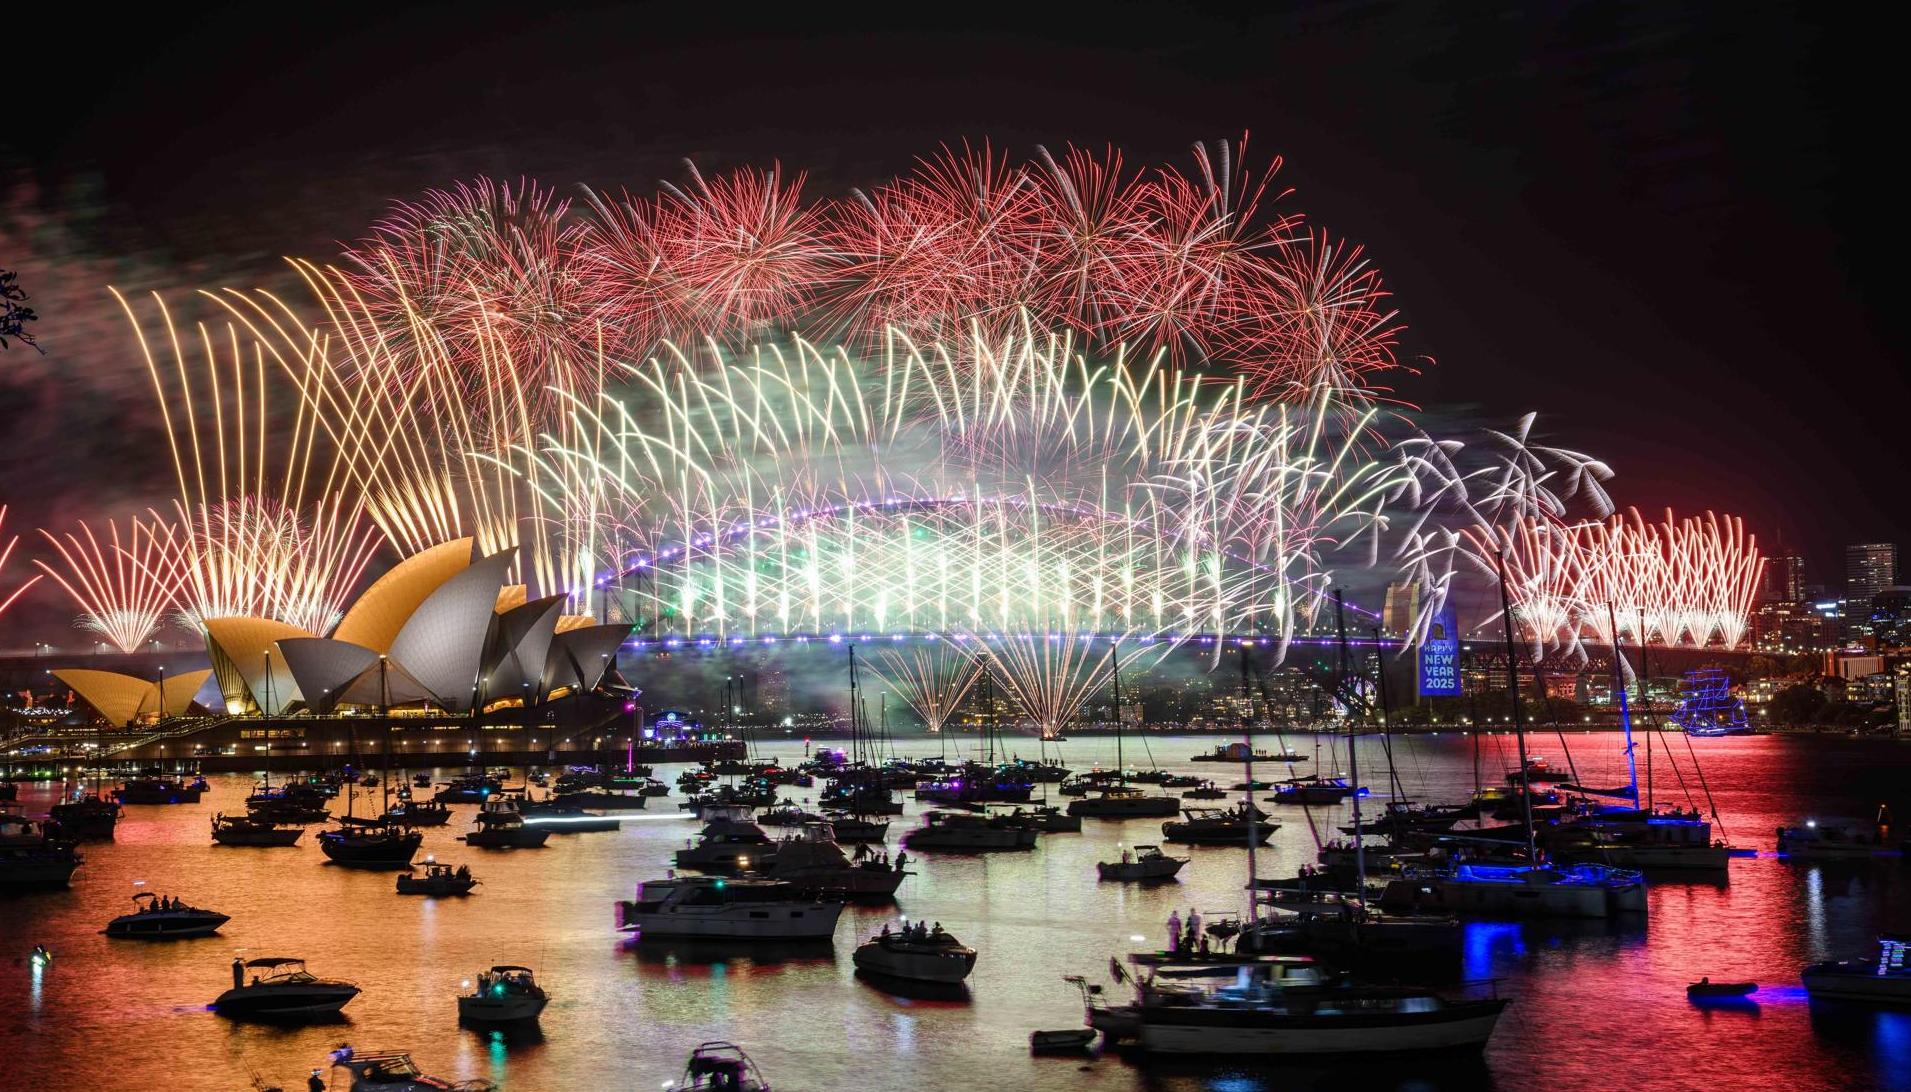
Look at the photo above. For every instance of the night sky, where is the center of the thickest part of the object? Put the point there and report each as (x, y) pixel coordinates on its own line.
(1665, 226)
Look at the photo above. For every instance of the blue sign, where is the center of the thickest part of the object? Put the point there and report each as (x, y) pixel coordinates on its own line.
(1440, 657)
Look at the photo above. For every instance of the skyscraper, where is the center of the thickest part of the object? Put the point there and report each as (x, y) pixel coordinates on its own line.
(1870, 568)
(1784, 577)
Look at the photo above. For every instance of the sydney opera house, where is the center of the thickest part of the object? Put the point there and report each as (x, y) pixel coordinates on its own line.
(441, 644)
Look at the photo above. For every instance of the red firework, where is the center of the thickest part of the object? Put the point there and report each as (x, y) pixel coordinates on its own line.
(493, 269)
(1191, 264)
(938, 249)
(1323, 316)
(724, 257)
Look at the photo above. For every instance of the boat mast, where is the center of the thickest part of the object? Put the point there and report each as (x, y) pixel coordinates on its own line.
(1386, 728)
(1625, 711)
(855, 743)
(384, 744)
(1353, 760)
(1645, 707)
(1121, 774)
(1247, 795)
(1519, 719)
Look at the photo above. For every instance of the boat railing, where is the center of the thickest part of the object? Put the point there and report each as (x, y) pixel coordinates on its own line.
(1476, 989)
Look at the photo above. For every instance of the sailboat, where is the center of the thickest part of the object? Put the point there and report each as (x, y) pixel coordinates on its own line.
(1119, 801)
(860, 786)
(88, 815)
(1193, 1001)
(376, 842)
(1528, 889)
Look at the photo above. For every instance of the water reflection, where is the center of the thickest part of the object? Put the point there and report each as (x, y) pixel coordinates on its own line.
(1593, 999)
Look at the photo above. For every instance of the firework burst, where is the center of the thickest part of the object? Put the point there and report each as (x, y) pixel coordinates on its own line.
(123, 587)
(932, 679)
(264, 530)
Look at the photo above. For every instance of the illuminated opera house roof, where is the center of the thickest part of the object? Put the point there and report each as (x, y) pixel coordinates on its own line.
(442, 628)
(122, 699)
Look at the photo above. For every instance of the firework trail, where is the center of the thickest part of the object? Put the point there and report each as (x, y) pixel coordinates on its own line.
(427, 470)
(953, 489)
(6, 552)
(122, 587)
(1473, 502)
(254, 539)
(932, 679)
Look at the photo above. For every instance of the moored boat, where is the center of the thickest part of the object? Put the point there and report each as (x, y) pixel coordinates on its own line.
(438, 880)
(245, 830)
(916, 953)
(1281, 1005)
(1121, 802)
(86, 817)
(718, 1066)
(503, 995)
(500, 826)
(1813, 840)
(1882, 980)
(1219, 827)
(729, 843)
(962, 832)
(370, 844)
(281, 989)
(158, 918)
(31, 857)
(160, 790)
(1519, 890)
(394, 1071)
(739, 909)
(1141, 865)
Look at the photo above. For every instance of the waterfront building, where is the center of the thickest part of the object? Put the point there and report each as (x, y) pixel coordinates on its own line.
(1870, 568)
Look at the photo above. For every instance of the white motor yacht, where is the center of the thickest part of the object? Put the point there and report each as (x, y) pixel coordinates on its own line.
(916, 953)
(156, 918)
(394, 1071)
(504, 995)
(1142, 864)
(1885, 980)
(963, 832)
(729, 843)
(280, 989)
(742, 909)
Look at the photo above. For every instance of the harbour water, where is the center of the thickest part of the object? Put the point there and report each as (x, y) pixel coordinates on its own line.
(1598, 1004)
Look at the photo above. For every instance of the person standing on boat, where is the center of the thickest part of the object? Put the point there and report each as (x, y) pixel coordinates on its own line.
(1174, 930)
(238, 972)
(1194, 928)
